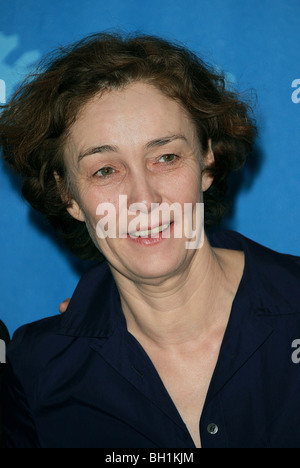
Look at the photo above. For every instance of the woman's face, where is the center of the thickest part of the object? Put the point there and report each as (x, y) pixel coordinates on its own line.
(136, 146)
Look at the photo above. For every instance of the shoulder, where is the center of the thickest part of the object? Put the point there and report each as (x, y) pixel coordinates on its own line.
(272, 277)
(37, 343)
(262, 255)
(30, 342)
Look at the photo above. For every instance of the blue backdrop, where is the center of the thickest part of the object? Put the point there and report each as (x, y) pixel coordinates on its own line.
(256, 42)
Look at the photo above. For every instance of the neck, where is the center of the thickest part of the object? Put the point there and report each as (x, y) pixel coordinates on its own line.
(182, 308)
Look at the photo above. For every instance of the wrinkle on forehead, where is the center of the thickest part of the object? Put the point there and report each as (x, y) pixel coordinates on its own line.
(128, 119)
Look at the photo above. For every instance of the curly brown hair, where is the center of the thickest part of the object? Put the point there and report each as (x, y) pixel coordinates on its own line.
(34, 124)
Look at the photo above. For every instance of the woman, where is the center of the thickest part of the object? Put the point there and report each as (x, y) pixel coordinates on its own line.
(176, 340)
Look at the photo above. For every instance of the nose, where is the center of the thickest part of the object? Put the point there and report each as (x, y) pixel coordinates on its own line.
(143, 192)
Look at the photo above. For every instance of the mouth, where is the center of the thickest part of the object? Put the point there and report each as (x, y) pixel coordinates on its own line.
(148, 233)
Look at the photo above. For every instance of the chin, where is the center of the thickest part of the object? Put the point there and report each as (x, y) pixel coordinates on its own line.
(155, 269)
(147, 263)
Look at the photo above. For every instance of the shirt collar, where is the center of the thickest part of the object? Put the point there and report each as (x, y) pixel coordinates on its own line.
(95, 308)
(272, 278)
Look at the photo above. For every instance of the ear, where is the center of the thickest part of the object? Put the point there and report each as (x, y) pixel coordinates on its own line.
(73, 207)
(75, 211)
(208, 161)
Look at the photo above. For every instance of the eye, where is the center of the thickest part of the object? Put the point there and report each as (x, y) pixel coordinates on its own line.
(168, 158)
(105, 172)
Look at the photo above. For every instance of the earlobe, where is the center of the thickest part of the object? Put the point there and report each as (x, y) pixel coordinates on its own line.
(209, 160)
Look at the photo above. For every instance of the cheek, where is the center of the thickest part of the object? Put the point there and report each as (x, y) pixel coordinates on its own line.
(187, 187)
(93, 203)
(92, 197)
(101, 212)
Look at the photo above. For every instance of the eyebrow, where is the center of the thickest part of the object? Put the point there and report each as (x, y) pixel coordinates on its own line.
(114, 149)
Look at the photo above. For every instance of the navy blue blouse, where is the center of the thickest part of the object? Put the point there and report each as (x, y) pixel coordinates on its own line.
(82, 380)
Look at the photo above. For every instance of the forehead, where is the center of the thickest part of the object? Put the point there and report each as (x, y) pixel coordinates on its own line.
(133, 115)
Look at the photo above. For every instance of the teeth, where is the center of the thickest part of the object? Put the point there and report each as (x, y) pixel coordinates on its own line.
(150, 231)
